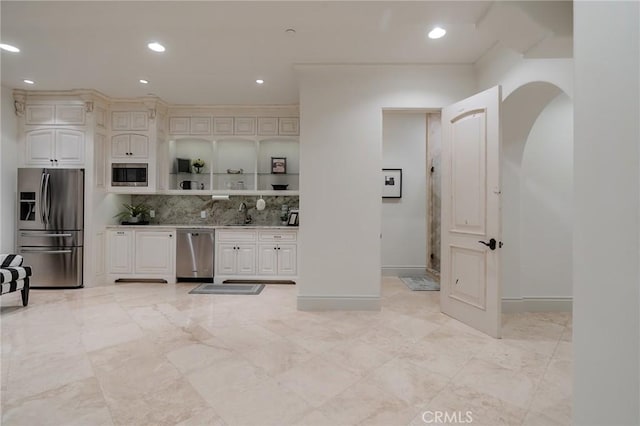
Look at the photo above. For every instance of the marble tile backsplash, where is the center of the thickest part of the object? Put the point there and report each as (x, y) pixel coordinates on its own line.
(185, 209)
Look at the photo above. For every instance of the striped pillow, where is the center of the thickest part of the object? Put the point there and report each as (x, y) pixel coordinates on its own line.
(7, 260)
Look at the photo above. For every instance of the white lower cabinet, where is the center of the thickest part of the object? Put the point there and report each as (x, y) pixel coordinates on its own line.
(250, 253)
(277, 259)
(236, 259)
(141, 254)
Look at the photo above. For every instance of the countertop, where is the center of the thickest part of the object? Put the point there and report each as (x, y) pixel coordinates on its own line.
(196, 226)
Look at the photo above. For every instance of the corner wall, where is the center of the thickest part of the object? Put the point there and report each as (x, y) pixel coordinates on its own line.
(8, 172)
(341, 158)
(546, 205)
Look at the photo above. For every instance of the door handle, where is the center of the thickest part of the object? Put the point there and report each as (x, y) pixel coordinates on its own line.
(491, 244)
(42, 207)
(46, 251)
(37, 235)
(47, 197)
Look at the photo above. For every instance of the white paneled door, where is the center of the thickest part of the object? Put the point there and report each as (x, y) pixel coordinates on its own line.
(471, 231)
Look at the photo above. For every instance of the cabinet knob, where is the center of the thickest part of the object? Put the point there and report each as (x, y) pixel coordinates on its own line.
(56, 160)
(51, 159)
(274, 248)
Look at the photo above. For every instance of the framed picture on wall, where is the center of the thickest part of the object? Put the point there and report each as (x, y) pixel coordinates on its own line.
(391, 183)
(278, 165)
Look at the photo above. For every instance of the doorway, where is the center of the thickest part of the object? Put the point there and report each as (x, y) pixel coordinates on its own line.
(411, 223)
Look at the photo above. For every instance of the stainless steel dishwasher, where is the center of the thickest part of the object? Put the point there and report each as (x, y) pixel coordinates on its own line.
(194, 255)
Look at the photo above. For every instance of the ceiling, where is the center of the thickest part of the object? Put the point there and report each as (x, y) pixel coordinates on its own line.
(216, 50)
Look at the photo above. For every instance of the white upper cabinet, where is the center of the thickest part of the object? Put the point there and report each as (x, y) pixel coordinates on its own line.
(245, 126)
(130, 145)
(267, 126)
(190, 125)
(129, 120)
(223, 125)
(46, 114)
(54, 147)
(289, 126)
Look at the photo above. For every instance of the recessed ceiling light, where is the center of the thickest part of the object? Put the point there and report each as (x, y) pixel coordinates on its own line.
(29, 81)
(143, 81)
(437, 32)
(259, 81)
(290, 31)
(156, 47)
(9, 48)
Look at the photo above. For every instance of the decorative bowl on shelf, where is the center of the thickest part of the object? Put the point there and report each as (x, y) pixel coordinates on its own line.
(279, 187)
(235, 171)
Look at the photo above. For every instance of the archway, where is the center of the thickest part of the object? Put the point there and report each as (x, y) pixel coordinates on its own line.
(537, 187)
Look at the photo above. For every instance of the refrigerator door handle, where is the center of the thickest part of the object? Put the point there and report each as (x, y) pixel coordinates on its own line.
(45, 251)
(42, 203)
(37, 234)
(47, 197)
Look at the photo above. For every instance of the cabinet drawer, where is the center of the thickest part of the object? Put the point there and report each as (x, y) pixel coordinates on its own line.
(276, 236)
(233, 235)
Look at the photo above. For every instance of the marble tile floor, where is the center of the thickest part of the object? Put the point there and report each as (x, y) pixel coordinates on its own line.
(152, 354)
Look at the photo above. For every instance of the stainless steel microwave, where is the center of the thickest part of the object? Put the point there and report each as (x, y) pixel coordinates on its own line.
(129, 174)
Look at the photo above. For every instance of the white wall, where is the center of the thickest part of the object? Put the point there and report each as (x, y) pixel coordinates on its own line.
(509, 69)
(606, 337)
(528, 86)
(404, 220)
(546, 209)
(8, 173)
(340, 159)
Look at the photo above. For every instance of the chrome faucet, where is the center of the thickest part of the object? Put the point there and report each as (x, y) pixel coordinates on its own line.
(246, 216)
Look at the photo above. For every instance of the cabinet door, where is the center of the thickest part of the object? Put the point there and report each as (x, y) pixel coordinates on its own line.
(223, 125)
(287, 259)
(39, 114)
(226, 259)
(69, 114)
(139, 120)
(200, 126)
(267, 126)
(120, 249)
(39, 147)
(120, 146)
(179, 125)
(246, 259)
(267, 259)
(139, 146)
(245, 126)
(120, 120)
(289, 126)
(69, 148)
(155, 252)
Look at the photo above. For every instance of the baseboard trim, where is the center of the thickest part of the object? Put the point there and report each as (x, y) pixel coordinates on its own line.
(403, 271)
(338, 303)
(537, 304)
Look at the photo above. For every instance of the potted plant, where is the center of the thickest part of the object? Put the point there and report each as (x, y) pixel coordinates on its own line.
(198, 164)
(133, 213)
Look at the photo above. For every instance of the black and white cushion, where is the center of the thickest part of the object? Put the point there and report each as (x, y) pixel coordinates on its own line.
(7, 260)
(14, 276)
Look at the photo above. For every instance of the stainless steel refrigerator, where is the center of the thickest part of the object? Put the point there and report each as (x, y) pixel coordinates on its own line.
(51, 225)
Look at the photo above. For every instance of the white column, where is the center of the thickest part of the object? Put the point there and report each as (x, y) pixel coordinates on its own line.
(607, 231)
